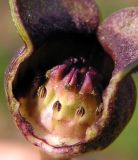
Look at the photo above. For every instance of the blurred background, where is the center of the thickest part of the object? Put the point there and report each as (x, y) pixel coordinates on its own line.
(124, 148)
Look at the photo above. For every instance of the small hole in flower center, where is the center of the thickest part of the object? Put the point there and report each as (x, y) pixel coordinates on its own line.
(42, 91)
(57, 106)
(80, 111)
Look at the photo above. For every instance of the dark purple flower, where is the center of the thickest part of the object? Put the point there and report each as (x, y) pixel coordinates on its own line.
(70, 88)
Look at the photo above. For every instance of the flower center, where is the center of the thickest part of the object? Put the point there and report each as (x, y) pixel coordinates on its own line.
(68, 103)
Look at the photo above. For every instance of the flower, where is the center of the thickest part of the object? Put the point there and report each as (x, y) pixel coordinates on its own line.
(70, 88)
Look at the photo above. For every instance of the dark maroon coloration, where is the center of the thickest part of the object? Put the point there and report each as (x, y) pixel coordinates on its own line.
(120, 111)
(22, 123)
(76, 73)
(57, 16)
(118, 35)
(59, 29)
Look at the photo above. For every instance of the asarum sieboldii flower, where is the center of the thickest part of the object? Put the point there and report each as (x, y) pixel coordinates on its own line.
(70, 88)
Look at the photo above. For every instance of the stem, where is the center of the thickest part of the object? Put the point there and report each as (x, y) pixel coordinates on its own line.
(45, 156)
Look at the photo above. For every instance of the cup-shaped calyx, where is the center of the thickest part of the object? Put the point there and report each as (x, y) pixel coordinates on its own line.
(70, 88)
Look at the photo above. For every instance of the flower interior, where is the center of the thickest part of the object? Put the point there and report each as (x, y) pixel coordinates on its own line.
(62, 100)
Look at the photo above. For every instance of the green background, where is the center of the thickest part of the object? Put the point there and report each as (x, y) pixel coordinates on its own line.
(126, 145)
